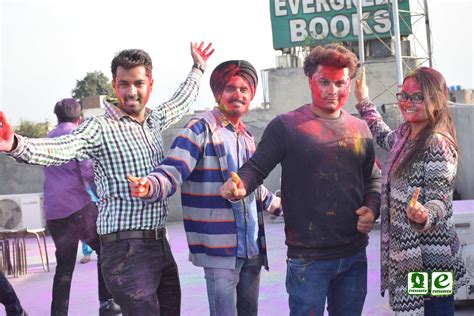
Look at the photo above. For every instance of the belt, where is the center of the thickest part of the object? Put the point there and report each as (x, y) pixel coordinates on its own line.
(156, 234)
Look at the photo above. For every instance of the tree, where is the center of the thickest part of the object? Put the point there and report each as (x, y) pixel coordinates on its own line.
(33, 130)
(94, 83)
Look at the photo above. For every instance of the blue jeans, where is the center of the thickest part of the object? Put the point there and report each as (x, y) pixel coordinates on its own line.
(343, 281)
(86, 249)
(234, 291)
(439, 306)
(142, 276)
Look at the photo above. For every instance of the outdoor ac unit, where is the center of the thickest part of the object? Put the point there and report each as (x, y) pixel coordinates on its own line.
(20, 211)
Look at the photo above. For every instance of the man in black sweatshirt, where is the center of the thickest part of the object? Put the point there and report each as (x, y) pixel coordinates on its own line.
(330, 188)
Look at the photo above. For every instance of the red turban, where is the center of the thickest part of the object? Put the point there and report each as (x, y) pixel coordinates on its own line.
(228, 69)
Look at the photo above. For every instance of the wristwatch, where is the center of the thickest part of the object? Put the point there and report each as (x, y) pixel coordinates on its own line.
(198, 66)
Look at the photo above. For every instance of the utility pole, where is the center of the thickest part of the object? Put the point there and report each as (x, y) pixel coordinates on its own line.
(398, 50)
(361, 33)
(428, 34)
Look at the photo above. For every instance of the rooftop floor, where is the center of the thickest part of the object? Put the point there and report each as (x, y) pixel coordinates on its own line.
(34, 288)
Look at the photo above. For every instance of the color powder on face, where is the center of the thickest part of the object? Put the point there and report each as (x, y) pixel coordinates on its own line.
(412, 112)
(330, 87)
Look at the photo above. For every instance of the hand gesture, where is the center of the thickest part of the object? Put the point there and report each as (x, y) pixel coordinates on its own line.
(233, 189)
(417, 213)
(365, 223)
(140, 187)
(361, 91)
(201, 55)
(6, 134)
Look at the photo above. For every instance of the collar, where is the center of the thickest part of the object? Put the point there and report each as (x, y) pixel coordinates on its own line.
(117, 114)
(224, 122)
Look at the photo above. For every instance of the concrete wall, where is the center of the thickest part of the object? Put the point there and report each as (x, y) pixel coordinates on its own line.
(17, 178)
(463, 116)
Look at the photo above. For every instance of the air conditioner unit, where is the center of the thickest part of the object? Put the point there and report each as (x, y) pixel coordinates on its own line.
(20, 211)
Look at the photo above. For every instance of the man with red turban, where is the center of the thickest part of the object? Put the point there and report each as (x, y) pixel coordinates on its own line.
(226, 239)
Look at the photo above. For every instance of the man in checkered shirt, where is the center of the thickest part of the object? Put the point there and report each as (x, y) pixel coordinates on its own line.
(136, 260)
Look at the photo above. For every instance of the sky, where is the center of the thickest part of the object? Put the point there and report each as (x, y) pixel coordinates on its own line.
(46, 45)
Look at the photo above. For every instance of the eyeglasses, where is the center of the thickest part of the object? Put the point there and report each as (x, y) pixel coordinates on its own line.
(414, 98)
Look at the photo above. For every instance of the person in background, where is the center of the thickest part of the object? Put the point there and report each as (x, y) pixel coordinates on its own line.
(86, 253)
(226, 239)
(417, 232)
(126, 139)
(71, 215)
(9, 298)
(330, 188)
(85, 248)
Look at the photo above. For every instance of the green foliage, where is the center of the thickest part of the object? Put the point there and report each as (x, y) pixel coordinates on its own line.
(94, 83)
(33, 130)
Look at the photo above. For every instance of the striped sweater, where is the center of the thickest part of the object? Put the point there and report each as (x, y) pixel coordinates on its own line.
(197, 162)
(407, 246)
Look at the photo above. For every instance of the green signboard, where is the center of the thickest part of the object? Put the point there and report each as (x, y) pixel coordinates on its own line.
(307, 22)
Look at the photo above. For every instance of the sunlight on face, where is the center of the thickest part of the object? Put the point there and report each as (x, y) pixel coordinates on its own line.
(132, 88)
(412, 112)
(330, 87)
(236, 97)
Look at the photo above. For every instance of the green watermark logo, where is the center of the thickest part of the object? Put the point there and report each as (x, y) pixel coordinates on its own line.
(417, 283)
(441, 283)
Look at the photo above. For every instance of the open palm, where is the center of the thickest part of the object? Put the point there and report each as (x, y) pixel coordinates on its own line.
(201, 53)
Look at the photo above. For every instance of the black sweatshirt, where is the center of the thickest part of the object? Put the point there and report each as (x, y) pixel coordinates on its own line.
(328, 172)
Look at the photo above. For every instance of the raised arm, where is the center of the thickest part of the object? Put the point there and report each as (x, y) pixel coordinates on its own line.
(172, 110)
(382, 133)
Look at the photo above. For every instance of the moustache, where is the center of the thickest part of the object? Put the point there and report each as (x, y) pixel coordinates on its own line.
(238, 101)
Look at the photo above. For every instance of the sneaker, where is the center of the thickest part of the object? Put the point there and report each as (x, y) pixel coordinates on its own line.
(85, 259)
(109, 307)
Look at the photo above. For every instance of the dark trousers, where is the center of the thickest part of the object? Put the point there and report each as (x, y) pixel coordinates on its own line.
(142, 276)
(66, 233)
(8, 297)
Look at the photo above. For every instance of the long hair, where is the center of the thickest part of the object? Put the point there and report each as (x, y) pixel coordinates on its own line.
(435, 92)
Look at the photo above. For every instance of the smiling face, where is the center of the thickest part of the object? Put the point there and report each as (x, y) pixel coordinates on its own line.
(235, 99)
(414, 113)
(132, 88)
(330, 88)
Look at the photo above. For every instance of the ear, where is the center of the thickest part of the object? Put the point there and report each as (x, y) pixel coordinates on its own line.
(113, 86)
(151, 83)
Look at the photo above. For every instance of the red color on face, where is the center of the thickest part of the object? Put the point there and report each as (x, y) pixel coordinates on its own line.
(414, 113)
(235, 99)
(132, 88)
(330, 87)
